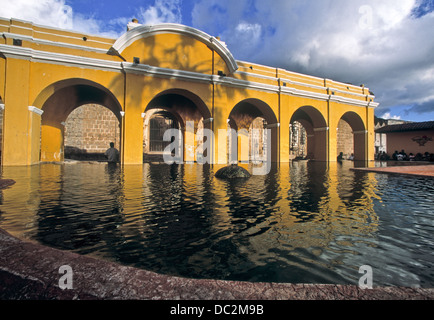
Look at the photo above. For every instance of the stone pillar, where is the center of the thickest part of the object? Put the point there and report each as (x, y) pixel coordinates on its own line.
(243, 145)
(322, 143)
(189, 142)
(52, 143)
(274, 147)
(34, 141)
(132, 136)
(360, 145)
(16, 114)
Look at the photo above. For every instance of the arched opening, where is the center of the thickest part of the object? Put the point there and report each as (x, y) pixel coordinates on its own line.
(156, 123)
(248, 140)
(58, 101)
(88, 130)
(182, 110)
(298, 142)
(308, 135)
(351, 137)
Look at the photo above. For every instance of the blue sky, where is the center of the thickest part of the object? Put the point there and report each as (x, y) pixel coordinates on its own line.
(385, 44)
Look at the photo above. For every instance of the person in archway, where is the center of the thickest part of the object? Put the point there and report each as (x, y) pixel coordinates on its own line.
(341, 156)
(112, 154)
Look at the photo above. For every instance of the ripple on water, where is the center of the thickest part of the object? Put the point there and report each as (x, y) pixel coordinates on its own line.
(302, 223)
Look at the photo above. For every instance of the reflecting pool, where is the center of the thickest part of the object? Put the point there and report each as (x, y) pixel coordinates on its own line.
(304, 222)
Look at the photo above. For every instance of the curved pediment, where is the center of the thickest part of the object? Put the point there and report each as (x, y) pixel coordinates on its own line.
(168, 44)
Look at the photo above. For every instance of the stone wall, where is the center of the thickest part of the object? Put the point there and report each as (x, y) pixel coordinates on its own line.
(89, 130)
(345, 139)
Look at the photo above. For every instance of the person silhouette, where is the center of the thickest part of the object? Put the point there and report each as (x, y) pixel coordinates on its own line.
(112, 154)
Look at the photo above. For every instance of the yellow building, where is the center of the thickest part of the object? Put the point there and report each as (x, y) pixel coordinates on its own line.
(167, 69)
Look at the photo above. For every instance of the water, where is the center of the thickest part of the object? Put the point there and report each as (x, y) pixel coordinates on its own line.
(302, 223)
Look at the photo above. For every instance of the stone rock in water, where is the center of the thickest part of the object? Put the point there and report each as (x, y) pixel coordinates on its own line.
(232, 172)
(5, 183)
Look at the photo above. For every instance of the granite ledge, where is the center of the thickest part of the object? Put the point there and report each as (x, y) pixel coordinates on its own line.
(30, 271)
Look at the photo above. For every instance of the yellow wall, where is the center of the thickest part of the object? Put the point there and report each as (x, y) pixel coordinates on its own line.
(57, 71)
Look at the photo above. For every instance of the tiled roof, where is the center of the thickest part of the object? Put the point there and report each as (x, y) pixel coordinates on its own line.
(412, 126)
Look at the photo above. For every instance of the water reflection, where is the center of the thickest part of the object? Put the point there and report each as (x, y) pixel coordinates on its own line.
(303, 222)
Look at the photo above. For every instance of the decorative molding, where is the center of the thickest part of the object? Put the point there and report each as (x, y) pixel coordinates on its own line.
(7, 35)
(306, 94)
(2, 106)
(145, 31)
(58, 58)
(359, 103)
(36, 110)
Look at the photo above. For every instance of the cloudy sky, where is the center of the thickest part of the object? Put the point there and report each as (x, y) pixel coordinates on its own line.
(388, 45)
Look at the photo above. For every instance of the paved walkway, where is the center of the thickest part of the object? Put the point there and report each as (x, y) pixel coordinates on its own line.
(31, 271)
(424, 171)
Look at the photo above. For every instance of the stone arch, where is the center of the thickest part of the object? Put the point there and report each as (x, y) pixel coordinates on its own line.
(316, 131)
(241, 118)
(357, 134)
(58, 100)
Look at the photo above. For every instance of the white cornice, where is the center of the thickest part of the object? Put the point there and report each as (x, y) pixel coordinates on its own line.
(53, 43)
(58, 58)
(302, 84)
(303, 93)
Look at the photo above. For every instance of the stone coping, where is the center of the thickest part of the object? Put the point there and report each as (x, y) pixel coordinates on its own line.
(30, 271)
(421, 170)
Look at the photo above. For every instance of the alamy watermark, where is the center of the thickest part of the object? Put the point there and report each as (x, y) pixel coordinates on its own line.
(66, 281)
(173, 153)
(366, 281)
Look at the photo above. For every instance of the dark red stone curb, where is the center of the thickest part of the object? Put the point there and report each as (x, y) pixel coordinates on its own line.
(30, 271)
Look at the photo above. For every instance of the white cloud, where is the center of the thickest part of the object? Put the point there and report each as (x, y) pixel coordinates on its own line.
(163, 11)
(388, 116)
(249, 35)
(54, 13)
(376, 43)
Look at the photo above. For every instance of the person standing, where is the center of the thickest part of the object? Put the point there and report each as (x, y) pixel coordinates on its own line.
(112, 154)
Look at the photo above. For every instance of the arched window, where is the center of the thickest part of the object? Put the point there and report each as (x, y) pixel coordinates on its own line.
(158, 125)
